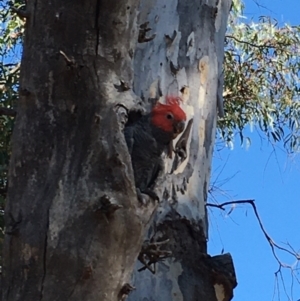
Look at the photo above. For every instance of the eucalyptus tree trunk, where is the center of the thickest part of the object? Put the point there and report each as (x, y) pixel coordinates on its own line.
(74, 227)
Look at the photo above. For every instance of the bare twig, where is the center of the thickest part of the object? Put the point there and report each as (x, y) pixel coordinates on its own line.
(283, 284)
(290, 250)
(70, 62)
(16, 68)
(151, 254)
(271, 242)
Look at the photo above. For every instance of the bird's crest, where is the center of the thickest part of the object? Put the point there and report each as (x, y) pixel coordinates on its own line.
(172, 105)
(168, 116)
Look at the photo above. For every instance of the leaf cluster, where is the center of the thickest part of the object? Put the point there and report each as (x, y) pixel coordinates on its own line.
(261, 80)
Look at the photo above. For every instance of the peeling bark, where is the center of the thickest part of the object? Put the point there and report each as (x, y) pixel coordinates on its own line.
(187, 56)
(74, 226)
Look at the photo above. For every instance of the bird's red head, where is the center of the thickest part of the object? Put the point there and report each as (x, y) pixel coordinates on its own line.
(169, 117)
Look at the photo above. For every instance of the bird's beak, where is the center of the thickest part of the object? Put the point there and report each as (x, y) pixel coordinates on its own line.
(178, 128)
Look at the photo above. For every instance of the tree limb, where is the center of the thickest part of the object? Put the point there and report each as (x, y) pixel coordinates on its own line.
(271, 242)
(255, 45)
(21, 13)
(8, 112)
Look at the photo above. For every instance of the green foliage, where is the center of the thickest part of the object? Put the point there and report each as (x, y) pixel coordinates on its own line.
(261, 74)
(11, 32)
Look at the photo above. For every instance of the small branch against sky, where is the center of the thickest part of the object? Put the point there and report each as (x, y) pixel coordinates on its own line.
(271, 242)
(262, 46)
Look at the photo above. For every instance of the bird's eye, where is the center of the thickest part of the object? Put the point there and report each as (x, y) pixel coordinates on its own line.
(169, 116)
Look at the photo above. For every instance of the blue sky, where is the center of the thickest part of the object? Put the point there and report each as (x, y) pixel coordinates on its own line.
(272, 178)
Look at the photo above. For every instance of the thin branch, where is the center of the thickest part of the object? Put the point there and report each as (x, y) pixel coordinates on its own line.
(248, 43)
(21, 13)
(284, 287)
(8, 112)
(262, 6)
(291, 247)
(70, 61)
(256, 45)
(15, 69)
(271, 242)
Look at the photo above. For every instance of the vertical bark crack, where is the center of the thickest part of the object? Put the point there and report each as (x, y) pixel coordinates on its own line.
(97, 25)
(34, 11)
(45, 256)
